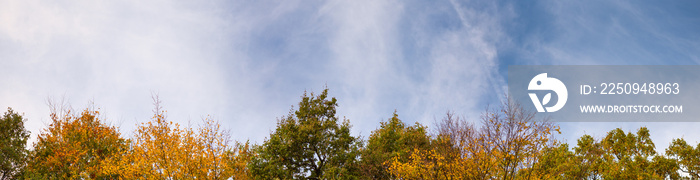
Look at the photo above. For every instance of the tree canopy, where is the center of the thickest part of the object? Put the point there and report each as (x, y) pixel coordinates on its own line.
(74, 146)
(308, 144)
(13, 139)
(312, 142)
(393, 139)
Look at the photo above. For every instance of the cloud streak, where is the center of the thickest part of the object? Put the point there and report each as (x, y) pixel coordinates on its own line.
(247, 63)
(607, 33)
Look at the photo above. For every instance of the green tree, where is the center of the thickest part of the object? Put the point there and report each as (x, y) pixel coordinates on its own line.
(308, 144)
(13, 139)
(686, 156)
(666, 167)
(588, 161)
(627, 156)
(393, 139)
(618, 155)
(555, 163)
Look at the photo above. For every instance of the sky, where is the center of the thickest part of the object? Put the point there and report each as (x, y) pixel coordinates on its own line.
(247, 63)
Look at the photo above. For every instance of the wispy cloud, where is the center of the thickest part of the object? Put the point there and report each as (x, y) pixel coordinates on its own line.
(247, 63)
(115, 54)
(612, 33)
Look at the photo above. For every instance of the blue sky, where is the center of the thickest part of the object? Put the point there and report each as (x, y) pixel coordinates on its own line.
(246, 63)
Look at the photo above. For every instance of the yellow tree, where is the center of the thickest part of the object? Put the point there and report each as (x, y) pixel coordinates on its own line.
(74, 146)
(442, 160)
(506, 146)
(515, 139)
(161, 149)
(237, 159)
(436, 163)
(215, 157)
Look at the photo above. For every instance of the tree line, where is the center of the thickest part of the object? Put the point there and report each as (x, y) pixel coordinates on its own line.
(312, 142)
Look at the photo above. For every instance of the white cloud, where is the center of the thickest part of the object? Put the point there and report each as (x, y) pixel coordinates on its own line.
(464, 64)
(246, 63)
(115, 54)
(364, 64)
(372, 74)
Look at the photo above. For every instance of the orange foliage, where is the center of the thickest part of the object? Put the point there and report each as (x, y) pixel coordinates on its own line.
(74, 146)
(509, 141)
(162, 149)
